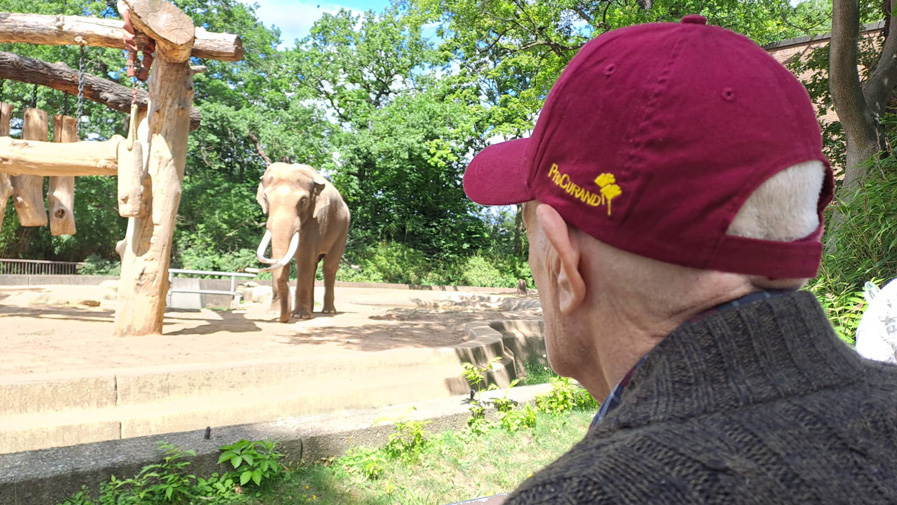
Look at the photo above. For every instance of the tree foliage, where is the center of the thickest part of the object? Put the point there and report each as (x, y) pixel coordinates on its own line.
(389, 105)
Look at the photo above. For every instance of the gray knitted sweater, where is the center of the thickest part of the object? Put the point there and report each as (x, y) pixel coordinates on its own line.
(759, 404)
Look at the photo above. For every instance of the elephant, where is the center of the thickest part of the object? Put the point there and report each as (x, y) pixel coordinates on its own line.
(308, 219)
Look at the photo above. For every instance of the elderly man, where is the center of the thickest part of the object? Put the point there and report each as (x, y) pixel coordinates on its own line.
(674, 187)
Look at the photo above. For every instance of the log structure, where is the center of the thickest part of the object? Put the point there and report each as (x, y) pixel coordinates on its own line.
(154, 161)
(28, 190)
(61, 197)
(75, 30)
(60, 76)
(5, 183)
(39, 158)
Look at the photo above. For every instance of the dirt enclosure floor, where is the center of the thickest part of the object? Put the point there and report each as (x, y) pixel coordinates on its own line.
(63, 330)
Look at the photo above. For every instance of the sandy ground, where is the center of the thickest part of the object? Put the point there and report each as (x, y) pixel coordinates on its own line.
(68, 329)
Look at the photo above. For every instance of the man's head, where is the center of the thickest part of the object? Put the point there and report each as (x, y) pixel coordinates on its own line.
(681, 164)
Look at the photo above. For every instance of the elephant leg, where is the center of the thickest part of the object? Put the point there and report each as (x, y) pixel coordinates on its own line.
(331, 264)
(305, 284)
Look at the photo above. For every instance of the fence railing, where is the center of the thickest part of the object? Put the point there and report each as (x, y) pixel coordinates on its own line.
(233, 283)
(39, 267)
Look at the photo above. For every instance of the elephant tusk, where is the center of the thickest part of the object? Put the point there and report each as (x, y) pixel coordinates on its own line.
(260, 253)
(294, 244)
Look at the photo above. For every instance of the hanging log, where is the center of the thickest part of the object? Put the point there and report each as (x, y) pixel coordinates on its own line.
(146, 252)
(60, 77)
(5, 184)
(50, 159)
(61, 197)
(75, 30)
(28, 190)
(134, 182)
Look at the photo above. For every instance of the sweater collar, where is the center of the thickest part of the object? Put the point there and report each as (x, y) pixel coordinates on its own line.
(758, 352)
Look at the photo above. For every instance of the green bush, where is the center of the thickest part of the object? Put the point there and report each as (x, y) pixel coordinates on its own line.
(95, 265)
(564, 397)
(169, 482)
(478, 271)
(252, 461)
(865, 249)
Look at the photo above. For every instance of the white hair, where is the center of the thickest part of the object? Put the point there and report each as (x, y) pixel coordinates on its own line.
(784, 208)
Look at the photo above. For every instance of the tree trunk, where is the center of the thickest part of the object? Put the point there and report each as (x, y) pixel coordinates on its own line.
(5, 184)
(519, 233)
(62, 78)
(62, 188)
(859, 105)
(28, 190)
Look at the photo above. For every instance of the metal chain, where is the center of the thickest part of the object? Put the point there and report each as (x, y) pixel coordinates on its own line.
(34, 97)
(80, 93)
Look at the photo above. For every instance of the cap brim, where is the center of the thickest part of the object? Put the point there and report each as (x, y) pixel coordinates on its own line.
(498, 174)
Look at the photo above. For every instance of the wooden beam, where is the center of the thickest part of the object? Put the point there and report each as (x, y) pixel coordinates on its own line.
(61, 197)
(172, 30)
(28, 190)
(5, 183)
(76, 30)
(60, 77)
(33, 157)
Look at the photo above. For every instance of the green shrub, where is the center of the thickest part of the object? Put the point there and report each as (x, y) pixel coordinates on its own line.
(564, 397)
(407, 442)
(865, 249)
(369, 462)
(95, 265)
(252, 461)
(477, 271)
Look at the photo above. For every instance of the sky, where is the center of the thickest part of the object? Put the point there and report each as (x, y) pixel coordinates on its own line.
(295, 17)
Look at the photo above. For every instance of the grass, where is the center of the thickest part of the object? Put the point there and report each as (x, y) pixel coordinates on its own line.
(451, 467)
(537, 373)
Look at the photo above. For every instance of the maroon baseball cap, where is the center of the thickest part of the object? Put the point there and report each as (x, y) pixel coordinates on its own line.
(653, 138)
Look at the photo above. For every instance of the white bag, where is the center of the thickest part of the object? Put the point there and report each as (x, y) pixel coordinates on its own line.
(877, 332)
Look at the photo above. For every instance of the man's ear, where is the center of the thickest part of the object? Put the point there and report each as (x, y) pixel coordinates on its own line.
(571, 286)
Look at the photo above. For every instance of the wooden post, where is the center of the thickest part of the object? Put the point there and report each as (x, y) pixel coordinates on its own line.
(61, 197)
(5, 183)
(146, 252)
(28, 190)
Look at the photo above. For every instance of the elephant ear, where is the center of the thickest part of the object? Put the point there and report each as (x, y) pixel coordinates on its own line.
(261, 198)
(321, 204)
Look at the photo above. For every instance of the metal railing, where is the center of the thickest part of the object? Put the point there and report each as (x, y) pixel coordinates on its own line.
(39, 267)
(233, 283)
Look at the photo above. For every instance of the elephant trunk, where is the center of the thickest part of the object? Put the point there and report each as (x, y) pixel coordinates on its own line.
(281, 273)
(275, 264)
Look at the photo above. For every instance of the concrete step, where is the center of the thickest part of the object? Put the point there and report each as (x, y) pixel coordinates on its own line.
(59, 410)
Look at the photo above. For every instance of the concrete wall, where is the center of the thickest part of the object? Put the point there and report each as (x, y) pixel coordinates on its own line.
(187, 301)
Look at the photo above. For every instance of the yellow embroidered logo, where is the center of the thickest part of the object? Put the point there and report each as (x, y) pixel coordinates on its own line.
(607, 182)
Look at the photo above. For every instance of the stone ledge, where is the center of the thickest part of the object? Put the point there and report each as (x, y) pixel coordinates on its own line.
(50, 475)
